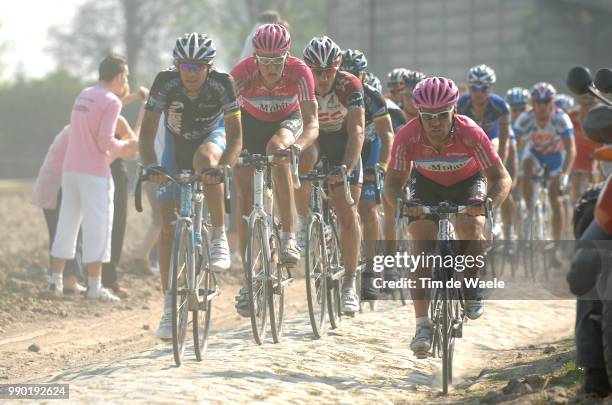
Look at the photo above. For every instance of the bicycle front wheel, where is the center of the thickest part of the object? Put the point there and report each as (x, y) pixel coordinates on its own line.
(180, 264)
(276, 287)
(256, 268)
(206, 286)
(316, 275)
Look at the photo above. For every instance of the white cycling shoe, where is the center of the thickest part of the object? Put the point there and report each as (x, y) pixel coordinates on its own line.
(220, 255)
(421, 342)
(164, 331)
(349, 301)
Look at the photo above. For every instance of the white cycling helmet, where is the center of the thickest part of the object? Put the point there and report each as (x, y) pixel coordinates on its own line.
(194, 46)
(322, 52)
(481, 74)
(396, 75)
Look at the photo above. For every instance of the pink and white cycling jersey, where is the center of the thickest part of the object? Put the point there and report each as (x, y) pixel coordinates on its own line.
(296, 85)
(468, 152)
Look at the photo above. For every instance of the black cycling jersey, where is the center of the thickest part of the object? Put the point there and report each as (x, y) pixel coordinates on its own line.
(192, 119)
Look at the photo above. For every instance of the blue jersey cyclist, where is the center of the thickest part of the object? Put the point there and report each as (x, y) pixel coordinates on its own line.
(378, 138)
(492, 114)
(549, 137)
(199, 104)
(487, 109)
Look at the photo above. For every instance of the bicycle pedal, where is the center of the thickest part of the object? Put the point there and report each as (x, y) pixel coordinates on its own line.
(349, 313)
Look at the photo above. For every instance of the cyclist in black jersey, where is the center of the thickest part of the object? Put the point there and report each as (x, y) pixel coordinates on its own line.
(378, 138)
(199, 104)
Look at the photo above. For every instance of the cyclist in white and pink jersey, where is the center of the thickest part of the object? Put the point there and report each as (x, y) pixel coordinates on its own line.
(454, 161)
(276, 95)
(550, 136)
(342, 120)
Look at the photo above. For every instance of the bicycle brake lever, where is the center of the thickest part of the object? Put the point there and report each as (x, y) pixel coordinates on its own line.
(295, 150)
(138, 190)
(227, 188)
(346, 186)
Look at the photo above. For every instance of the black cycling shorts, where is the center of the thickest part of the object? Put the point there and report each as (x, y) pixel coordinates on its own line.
(256, 133)
(333, 146)
(428, 192)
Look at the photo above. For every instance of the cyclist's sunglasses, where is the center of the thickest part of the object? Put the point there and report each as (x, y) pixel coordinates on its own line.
(323, 71)
(192, 67)
(518, 107)
(444, 114)
(541, 100)
(479, 88)
(275, 60)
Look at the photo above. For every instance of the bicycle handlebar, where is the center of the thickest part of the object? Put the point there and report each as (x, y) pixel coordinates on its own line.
(316, 175)
(145, 173)
(263, 160)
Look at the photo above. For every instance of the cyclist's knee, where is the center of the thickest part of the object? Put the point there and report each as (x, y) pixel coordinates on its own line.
(368, 211)
(205, 158)
(470, 228)
(308, 158)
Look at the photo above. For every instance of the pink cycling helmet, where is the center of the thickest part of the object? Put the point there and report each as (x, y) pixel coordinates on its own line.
(435, 92)
(271, 39)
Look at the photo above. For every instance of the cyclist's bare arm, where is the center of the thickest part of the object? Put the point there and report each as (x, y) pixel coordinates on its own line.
(394, 184)
(355, 122)
(148, 131)
(570, 153)
(310, 121)
(499, 183)
(233, 133)
(384, 129)
(504, 138)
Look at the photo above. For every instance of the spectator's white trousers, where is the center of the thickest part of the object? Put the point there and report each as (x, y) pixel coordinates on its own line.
(86, 200)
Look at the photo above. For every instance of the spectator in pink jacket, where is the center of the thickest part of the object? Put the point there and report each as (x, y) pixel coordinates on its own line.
(87, 186)
(48, 196)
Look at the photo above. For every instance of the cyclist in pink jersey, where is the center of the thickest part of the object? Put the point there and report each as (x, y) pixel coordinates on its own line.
(454, 161)
(279, 109)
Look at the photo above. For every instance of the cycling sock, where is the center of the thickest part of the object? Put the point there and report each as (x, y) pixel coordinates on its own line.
(423, 321)
(285, 236)
(218, 232)
(348, 281)
(57, 279)
(94, 283)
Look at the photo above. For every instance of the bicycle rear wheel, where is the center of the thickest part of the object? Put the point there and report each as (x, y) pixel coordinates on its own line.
(180, 265)
(206, 284)
(276, 286)
(447, 341)
(316, 276)
(256, 268)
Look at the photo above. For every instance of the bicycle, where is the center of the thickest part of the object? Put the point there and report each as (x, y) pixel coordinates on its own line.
(447, 303)
(537, 227)
(324, 268)
(265, 275)
(192, 284)
(372, 175)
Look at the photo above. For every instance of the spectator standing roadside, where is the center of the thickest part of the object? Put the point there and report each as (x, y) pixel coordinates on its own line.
(48, 196)
(120, 195)
(266, 17)
(87, 184)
